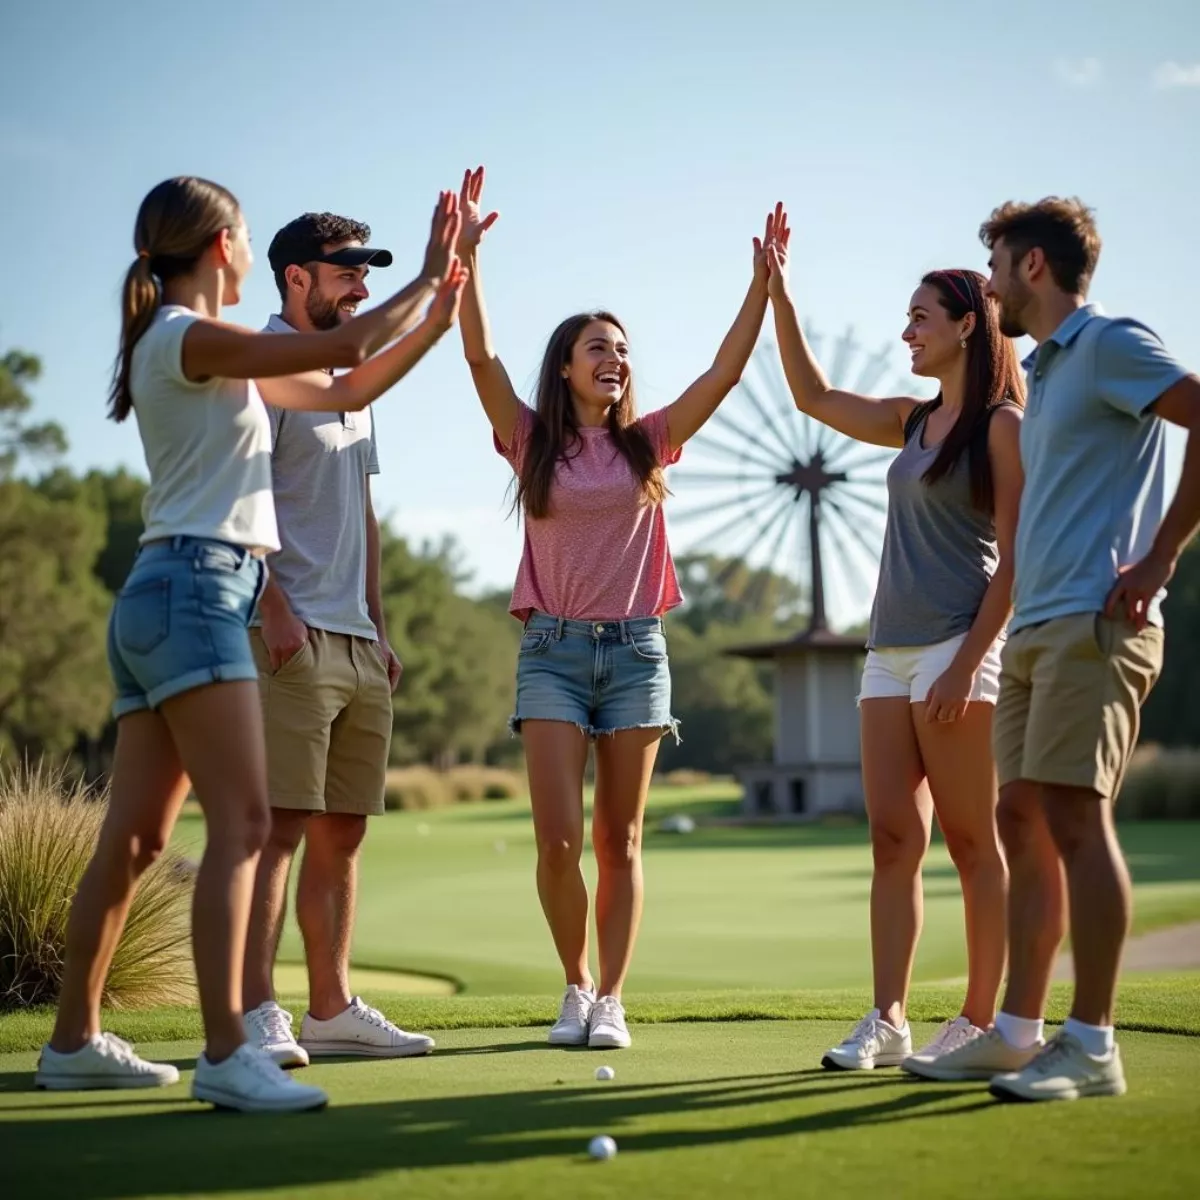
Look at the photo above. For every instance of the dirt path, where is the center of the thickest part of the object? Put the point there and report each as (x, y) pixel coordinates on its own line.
(1176, 949)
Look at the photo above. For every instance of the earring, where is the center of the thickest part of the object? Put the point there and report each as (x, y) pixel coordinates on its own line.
(962, 342)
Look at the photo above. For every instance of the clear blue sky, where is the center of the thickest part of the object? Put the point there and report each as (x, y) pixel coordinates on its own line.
(632, 149)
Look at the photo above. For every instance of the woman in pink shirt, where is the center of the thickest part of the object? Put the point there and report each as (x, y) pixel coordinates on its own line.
(595, 579)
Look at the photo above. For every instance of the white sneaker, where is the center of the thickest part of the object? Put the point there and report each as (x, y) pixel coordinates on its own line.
(872, 1043)
(571, 1028)
(248, 1081)
(951, 1036)
(606, 1028)
(103, 1061)
(360, 1031)
(1064, 1070)
(269, 1029)
(975, 1058)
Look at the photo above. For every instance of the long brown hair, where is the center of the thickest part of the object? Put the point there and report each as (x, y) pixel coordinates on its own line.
(175, 224)
(555, 435)
(993, 377)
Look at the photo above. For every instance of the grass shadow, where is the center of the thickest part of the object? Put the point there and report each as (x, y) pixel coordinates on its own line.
(351, 1143)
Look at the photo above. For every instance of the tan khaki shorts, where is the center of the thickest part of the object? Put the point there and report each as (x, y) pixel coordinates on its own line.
(328, 718)
(1071, 693)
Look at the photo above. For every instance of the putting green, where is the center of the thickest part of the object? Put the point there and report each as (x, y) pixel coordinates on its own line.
(291, 979)
(697, 1110)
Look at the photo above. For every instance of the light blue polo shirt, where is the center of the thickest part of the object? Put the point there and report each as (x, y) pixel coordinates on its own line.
(1094, 461)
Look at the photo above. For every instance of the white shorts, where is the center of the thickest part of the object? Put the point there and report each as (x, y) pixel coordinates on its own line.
(910, 671)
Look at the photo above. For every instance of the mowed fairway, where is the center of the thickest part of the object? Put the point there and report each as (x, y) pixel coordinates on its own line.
(753, 959)
(451, 892)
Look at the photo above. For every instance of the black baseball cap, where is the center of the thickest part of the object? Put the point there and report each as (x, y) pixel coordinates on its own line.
(304, 240)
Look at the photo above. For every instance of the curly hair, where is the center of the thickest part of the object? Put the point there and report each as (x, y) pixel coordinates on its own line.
(304, 239)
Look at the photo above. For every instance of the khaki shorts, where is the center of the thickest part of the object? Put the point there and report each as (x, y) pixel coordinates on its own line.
(1071, 693)
(328, 718)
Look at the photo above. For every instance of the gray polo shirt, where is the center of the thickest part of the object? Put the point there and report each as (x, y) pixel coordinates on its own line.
(319, 467)
(1094, 461)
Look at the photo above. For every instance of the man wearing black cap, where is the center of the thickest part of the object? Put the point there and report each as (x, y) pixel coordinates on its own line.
(326, 671)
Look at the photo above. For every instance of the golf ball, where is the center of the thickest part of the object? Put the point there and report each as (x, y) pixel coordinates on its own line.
(605, 1073)
(602, 1147)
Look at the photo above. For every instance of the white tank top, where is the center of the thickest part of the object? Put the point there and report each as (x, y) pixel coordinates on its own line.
(207, 445)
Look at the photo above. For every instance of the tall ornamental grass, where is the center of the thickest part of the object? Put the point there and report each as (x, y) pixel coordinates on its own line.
(49, 826)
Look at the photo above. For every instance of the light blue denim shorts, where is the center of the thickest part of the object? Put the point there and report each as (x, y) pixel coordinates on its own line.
(181, 620)
(599, 675)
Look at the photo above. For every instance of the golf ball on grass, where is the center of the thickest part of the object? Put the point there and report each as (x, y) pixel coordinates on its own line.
(605, 1073)
(602, 1147)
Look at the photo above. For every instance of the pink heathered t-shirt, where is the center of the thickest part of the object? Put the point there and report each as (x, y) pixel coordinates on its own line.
(602, 553)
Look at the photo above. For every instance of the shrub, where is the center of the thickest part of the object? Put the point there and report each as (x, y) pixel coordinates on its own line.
(685, 777)
(1161, 785)
(48, 829)
(415, 788)
(469, 783)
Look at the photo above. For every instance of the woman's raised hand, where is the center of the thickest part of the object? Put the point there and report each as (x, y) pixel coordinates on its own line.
(474, 223)
(775, 250)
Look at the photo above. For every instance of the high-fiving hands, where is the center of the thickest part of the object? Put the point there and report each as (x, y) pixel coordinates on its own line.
(775, 252)
(443, 236)
(443, 309)
(474, 223)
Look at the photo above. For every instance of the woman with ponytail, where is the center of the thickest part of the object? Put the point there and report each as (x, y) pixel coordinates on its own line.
(932, 674)
(187, 707)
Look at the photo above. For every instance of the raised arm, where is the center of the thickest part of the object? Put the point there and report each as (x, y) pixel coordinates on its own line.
(317, 391)
(864, 418)
(215, 348)
(689, 413)
(492, 384)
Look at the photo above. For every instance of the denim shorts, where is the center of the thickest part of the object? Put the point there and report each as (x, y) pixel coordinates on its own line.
(599, 675)
(181, 619)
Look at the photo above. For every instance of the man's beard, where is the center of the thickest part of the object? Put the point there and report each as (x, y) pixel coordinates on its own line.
(1017, 299)
(322, 312)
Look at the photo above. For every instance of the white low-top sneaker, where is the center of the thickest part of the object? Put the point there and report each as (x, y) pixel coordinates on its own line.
(1064, 1070)
(248, 1081)
(951, 1036)
(571, 1028)
(103, 1061)
(872, 1043)
(607, 1029)
(269, 1029)
(974, 1058)
(360, 1031)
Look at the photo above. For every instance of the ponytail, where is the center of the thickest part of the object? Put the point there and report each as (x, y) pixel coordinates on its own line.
(176, 223)
(141, 298)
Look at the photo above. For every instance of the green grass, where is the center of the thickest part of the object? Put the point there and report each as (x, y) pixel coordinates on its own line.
(451, 892)
(696, 1110)
(753, 959)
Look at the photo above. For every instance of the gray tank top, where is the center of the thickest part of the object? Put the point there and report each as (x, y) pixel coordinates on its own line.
(939, 550)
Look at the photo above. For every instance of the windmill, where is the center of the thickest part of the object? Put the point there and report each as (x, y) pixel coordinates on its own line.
(769, 492)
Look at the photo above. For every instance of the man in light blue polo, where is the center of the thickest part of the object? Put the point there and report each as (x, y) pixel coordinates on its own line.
(1093, 555)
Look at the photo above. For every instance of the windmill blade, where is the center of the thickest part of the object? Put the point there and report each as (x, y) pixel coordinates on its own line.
(757, 535)
(873, 371)
(872, 552)
(864, 460)
(713, 477)
(722, 505)
(872, 502)
(860, 584)
(791, 514)
(722, 418)
(704, 442)
(789, 448)
(846, 345)
(777, 386)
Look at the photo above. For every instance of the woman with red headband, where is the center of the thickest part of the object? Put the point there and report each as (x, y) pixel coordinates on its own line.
(932, 673)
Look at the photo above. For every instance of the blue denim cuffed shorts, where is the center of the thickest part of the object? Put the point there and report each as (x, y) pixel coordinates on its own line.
(181, 620)
(599, 675)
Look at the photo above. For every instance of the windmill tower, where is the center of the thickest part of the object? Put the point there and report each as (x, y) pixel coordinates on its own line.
(785, 483)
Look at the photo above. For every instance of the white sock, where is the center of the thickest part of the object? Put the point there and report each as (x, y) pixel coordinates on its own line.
(1019, 1032)
(1097, 1040)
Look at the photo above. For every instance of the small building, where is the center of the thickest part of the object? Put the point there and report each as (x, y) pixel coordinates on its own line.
(817, 764)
